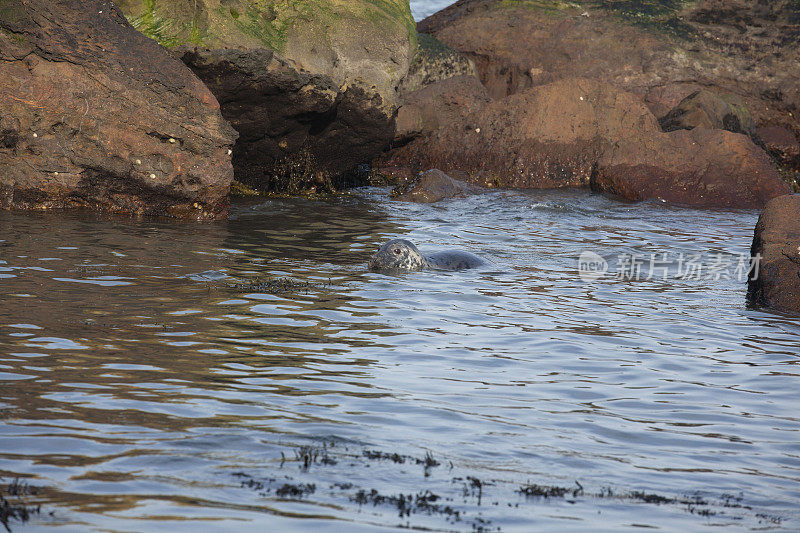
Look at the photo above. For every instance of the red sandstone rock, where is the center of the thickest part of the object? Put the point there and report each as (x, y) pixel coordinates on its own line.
(439, 104)
(777, 240)
(710, 110)
(735, 46)
(701, 167)
(96, 115)
(576, 131)
(782, 144)
(432, 186)
(548, 136)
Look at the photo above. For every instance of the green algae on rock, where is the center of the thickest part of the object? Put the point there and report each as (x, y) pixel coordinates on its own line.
(433, 62)
(252, 23)
(312, 33)
(662, 16)
(292, 75)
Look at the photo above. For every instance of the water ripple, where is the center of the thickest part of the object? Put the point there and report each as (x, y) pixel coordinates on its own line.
(153, 360)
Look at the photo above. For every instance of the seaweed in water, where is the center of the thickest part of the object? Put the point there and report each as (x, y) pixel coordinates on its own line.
(14, 509)
(533, 490)
(427, 462)
(434, 504)
(422, 502)
(290, 490)
(651, 498)
(300, 174)
(379, 455)
(279, 285)
(308, 455)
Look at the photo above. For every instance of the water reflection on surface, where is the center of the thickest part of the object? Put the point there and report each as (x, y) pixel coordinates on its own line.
(158, 374)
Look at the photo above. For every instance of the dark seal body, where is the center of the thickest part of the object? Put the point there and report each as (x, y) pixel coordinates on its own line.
(402, 255)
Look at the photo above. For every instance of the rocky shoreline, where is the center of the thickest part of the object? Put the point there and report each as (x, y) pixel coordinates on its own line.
(694, 103)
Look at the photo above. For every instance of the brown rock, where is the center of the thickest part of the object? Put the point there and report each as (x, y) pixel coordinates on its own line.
(781, 144)
(576, 131)
(777, 240)
(700, 167)
(96, 115)
(408, 124)
(439, 104)
(707, 109)
(389, 175)
(548, 136)
(432, 186)
(737, 46)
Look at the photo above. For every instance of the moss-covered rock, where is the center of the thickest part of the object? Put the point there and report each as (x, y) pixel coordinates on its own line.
(291, 75)
(367, 41)
(434, 62)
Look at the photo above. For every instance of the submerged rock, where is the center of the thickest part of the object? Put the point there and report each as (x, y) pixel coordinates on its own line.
(777, 240)
(93, 114)
(292, 76)
(432, 186)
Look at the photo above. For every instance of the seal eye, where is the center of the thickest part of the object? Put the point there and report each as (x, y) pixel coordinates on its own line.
(397, 251)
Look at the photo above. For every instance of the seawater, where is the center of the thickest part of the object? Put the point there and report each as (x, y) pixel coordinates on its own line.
(425, 8)
(252, 374)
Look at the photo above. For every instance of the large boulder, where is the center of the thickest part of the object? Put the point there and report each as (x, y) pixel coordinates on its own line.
(701, 167)
(782, 144)
(777, 242)
(546, 137)
(315, 77)
(662, 51)
(439, 104)
(93, 114)
(707, 109)
(581, 132)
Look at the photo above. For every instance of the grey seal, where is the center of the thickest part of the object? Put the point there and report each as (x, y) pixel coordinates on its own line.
(400, 254)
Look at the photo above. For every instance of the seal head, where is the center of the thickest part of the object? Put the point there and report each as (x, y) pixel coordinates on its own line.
(397, 254)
